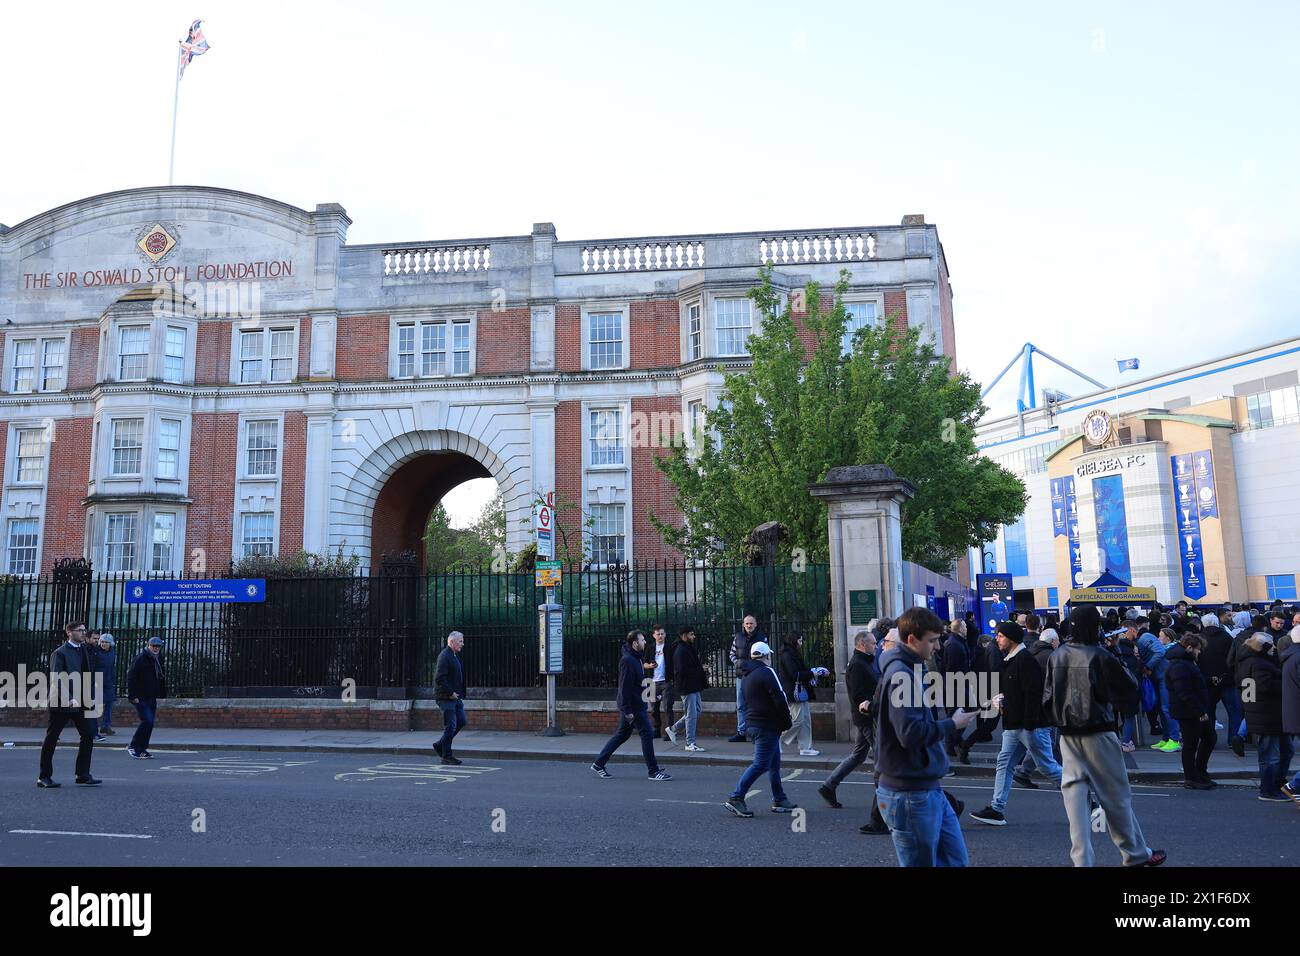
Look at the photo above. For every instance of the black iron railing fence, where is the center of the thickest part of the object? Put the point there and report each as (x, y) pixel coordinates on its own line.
(386, 630)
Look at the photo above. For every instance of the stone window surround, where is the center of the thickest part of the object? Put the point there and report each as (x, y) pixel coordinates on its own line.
(265, 325)
(103, 452)
(11, 457)
(110, 338)
(39, 333)
(585, 310)
(427, 318)
(144, 511)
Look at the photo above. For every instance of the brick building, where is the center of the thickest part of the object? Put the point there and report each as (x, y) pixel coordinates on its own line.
(191, 374)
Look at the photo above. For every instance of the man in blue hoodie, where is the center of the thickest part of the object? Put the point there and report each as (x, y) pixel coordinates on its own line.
(910, 739)
(632, 710)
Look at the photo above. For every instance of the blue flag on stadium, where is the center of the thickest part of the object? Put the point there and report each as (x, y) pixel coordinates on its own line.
(1128, 365)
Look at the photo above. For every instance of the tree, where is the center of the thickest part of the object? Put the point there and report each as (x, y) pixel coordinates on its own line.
(796, 413)
(465, 549)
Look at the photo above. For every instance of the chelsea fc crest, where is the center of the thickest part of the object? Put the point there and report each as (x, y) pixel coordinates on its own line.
(1098, 427)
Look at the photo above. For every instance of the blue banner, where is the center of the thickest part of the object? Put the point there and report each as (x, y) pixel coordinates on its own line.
(1207, 501)
(1058, 507)
(1112, 525)
(185, 591)
(1189, 527)
(997, 600)
(1072, 534)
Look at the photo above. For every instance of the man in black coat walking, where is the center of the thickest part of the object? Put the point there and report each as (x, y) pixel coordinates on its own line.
(71, 676)
(860, 678)
(146, 683)
(449, 692)
(768, 715)
(632, 710)
(689, 680)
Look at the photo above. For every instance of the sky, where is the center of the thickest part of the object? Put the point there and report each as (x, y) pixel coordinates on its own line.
(1109, 180)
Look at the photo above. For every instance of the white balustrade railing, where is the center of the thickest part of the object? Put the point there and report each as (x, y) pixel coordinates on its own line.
(643, 256)
(437, 260)
(840, 247)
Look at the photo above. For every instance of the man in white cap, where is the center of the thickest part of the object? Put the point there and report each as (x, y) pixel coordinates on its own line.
(767, 716)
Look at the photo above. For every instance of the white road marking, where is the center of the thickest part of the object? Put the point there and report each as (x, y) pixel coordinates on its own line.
(119, 836)
(957, 786)
(793, 775)
(698, 803)
(423, 772)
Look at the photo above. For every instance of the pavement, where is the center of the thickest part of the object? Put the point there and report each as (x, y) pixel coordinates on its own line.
(348, 808)
(1145, 765)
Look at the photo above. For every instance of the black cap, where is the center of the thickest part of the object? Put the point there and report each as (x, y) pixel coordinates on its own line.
(1085, 617)
(1012, 631)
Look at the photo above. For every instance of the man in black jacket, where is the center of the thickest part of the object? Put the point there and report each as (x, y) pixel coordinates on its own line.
(146, 683)
(1023, 722)
(449, 692)
(1085, 685)
(860, 679)
(767, 716)
(955, 663)
(689, 680)
(740, 644)
(1259, 676)
(71, 675)
(632, 710)
(1213, 663)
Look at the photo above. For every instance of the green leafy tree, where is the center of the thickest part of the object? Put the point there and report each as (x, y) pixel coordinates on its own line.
(799, 411)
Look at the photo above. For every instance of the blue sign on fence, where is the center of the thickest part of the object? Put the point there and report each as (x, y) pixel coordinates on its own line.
(224, 591)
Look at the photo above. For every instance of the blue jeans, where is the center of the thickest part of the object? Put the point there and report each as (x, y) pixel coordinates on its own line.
(923, 826)
(1231, 698)
(106, 718)
(641, 722)
(767, 760)
(148, 711)
(1172, 731)
(691, 718)
(453, 722)
(740, 708)
(1275, 753)
(1130, 728)
(1015, 744)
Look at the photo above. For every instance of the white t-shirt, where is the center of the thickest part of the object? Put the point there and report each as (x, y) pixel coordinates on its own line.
(659, 662)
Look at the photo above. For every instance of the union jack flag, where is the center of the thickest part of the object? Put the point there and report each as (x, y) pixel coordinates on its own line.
(193, 45)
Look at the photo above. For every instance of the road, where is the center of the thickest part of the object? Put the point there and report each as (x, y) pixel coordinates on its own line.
(270, 809)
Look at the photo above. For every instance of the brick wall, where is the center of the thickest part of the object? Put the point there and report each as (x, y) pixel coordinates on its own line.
(504, 341)
(654, 334)
(896, 308)
(568, 338)
(212, 353)
(214, 453)
(568, 475)
(651, 489)
(293, 482)
(361, 354)
(945, 316)
(83, 360)
(65, 517)
(806, 337)
(304, 348)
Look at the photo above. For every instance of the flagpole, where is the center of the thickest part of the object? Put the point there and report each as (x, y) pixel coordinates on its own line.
(176, 99)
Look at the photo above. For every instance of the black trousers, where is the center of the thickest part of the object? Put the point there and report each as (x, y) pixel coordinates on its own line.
(85, 727)
(663, 693)
(1199, 739)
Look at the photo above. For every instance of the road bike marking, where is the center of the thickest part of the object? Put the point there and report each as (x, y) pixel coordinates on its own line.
(119, 836)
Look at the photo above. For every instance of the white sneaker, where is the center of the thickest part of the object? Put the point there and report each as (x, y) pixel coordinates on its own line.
(810, 753)
(672, 734)
(693, 748)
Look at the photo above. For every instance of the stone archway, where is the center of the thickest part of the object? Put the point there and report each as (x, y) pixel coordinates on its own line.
(385, 502)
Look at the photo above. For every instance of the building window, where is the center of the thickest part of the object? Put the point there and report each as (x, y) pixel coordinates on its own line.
(1052, 597)
(694, 332)
(174, 361)
(1279, 406)
(606, 338)
(22, 546)
(169, 448)
(861, 315)
(128, 445)
(133, 353)
(460, 348)
(1281, 587)
(607, 538)
(606, 436)
(258, 533)
(52, 365)
(405, 351)
(694, 421)
(119, 543)
(262, 449)
(31, 455)
(24, 377)
(164, 536)
(732, 325)
(254, 348)
(433, 349)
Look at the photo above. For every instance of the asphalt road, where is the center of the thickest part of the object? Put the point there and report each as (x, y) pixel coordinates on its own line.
(269, 809)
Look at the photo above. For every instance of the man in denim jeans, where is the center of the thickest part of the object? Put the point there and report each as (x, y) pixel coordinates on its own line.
(449, 692)
(146, 682)
(689, 679)
(910, 750)
(1024, 725)
(740, 645)
(769, 716)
